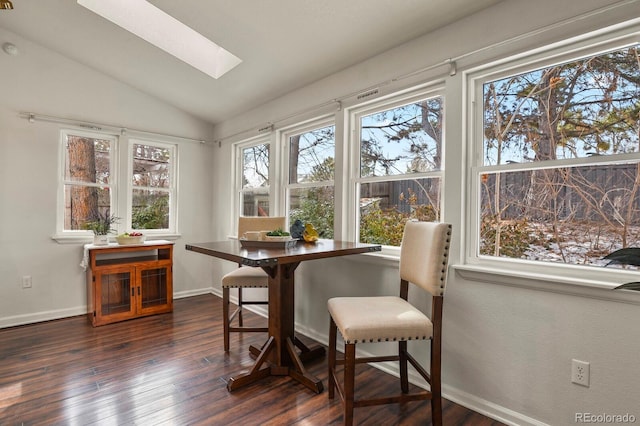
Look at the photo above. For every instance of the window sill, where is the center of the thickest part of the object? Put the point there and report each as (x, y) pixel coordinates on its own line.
(572, 286)
(86, 239)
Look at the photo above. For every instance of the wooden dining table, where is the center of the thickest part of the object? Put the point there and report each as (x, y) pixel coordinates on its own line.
(279, 356)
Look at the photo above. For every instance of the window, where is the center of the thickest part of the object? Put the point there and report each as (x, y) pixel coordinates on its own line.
(311, 171)
(399, 170)
(87, 178)
(94, 182)
(254, 181)
(153, 189)
(558, 165)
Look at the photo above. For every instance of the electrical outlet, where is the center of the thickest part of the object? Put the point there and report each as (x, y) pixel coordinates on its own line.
(26, 281)
(580, 372)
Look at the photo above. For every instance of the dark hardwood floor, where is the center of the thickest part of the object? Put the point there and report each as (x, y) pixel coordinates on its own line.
(170, 369)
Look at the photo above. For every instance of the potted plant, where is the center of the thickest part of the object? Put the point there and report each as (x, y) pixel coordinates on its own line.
(625, 256)
(100, 224)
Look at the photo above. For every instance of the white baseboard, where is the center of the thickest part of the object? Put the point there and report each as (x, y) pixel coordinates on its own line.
(15, 320)
(190, 293)
(488, 408)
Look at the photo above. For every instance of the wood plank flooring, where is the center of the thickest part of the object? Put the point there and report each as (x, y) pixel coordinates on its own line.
(171, 369)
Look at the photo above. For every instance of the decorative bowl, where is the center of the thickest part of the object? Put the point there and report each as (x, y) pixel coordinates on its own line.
(277, 238)
(124, 240)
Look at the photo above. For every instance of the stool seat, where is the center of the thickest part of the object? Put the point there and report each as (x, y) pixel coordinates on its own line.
(245, 276)
(378, 319)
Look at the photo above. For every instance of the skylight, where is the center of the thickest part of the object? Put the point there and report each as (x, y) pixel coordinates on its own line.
(164, 31)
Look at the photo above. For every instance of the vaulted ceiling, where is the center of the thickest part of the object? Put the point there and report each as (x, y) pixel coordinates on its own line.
(283, 44)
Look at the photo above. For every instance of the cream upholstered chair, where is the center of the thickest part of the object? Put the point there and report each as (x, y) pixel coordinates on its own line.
(246, 277)
(423, 261)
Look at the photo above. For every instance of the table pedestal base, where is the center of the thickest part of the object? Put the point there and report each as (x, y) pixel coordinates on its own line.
(297, 371)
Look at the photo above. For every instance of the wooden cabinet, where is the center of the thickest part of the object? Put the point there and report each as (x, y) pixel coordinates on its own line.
(125, 282)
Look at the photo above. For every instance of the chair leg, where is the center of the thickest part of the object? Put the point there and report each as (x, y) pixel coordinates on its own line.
(349, 381)
(332, 357)
(436, 385)
(404, 373)
(225, 317)
(240, 307)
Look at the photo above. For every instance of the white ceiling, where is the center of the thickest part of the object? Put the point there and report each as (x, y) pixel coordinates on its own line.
(284, 44)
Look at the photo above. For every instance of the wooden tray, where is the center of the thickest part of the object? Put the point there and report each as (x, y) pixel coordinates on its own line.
(268, 244)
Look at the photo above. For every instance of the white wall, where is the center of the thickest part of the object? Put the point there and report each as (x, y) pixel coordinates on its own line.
(507, 348)
(41, 81)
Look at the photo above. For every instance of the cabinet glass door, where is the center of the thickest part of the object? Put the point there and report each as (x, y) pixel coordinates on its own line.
(154, 283)
(115, 293)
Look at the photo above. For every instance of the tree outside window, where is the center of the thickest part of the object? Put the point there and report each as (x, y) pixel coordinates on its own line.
(560, 177)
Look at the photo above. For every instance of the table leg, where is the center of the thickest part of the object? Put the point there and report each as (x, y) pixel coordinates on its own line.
(299, 373)
(307, 353)
(280, 350)
(256, 373)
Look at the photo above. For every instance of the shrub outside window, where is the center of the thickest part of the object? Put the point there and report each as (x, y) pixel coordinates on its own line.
(400, 166)
(559, 175)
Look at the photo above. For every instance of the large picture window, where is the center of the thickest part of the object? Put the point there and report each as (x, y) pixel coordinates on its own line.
(559, 173)
(400, 166)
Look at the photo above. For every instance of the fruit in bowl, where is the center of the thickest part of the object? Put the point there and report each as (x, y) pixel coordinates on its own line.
(130, 238)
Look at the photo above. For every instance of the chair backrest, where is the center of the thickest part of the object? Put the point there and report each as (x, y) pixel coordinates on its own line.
(424, 255)
(260, 223)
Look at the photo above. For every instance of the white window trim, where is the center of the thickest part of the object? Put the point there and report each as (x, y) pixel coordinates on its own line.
(120, 195)
(573, 279)
(237, 175)
(82, 236)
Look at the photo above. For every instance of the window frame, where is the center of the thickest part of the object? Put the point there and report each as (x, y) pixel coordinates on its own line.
(172, 190)
(474, 79)
(238, 174)
(63, 234)
(355, 114)
(121, 186)
(283, 136)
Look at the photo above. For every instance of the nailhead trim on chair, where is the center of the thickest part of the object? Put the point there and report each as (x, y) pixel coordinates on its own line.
(394, 339)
